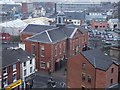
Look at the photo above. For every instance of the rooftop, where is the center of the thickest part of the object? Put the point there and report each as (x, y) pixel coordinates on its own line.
(11, 56)
(98, 59)
(55, 34)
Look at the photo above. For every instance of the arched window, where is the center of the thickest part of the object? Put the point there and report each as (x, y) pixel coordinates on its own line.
(59, 19)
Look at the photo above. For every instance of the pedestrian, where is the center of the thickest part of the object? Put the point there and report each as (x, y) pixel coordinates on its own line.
(65, 71)
(49, 72)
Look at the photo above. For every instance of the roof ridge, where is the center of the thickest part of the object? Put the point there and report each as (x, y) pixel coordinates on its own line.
(51, 29)
(48, 36)
(35, 35)
(73, 32)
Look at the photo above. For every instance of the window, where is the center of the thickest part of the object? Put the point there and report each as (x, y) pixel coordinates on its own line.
(25, 72)
(5, 70)
(83, 76)
(42, 65)
(59, 20)
(96, 27)
(64, 47)
(14, 77)
(14, 67)
(55, 50)
(77, 49)
(5, 82)
(33, 49)
(89, 79)
(60, 48)
(111, 81)
(30, 69)
(30, 61)
(42, 51)
(24, 64)
(73, 45)
(112, 70)
(83, 65)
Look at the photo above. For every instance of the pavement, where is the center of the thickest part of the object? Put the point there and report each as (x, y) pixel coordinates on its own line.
(40, 79)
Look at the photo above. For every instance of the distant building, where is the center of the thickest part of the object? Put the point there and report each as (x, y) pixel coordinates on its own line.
(99, 24)
(76, 18)
(5, 37)
(113, 23)
(13, 27)
(27, 9)
(76, 6)
(93, 15)
(115, 53)
(52, 45)
(91, 69)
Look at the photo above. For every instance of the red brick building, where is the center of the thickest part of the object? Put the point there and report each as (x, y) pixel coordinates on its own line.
(10, 71)
(54, 45)
(99, 24)
(91, 69)
(5, 36)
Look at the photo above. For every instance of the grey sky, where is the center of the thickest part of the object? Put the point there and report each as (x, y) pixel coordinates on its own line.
(78, 0)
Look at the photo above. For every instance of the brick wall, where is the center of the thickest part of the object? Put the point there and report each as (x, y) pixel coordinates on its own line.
(10, 73)
(74, 74)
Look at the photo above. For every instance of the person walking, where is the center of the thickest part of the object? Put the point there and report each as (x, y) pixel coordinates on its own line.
(49, 72)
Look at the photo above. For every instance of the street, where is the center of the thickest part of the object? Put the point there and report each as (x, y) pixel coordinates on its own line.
(40, 79)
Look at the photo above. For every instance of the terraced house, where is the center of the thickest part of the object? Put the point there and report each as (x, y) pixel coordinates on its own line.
(52, 45)
(17, 66)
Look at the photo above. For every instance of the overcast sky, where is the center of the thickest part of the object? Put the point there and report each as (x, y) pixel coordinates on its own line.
(79, 0)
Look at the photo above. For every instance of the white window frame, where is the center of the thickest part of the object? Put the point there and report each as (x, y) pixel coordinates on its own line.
(14, 67)
(6, 72)
(42, 48)
(6, 83)
(24, 72)
(15, 78)
(30, 70)
(41, 65)
(24, 64)
(31, 62)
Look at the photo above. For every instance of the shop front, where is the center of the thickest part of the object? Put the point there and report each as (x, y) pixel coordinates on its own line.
(14, 86)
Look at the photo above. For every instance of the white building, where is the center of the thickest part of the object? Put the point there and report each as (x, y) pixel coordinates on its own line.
(27, 66)
(13, 27)
(113, 23)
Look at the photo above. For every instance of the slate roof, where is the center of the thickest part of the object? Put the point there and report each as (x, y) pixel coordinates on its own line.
(7, 7)
(11, 56)
(75, 15)
(32, 28)
(98, 59)
(55, 34)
